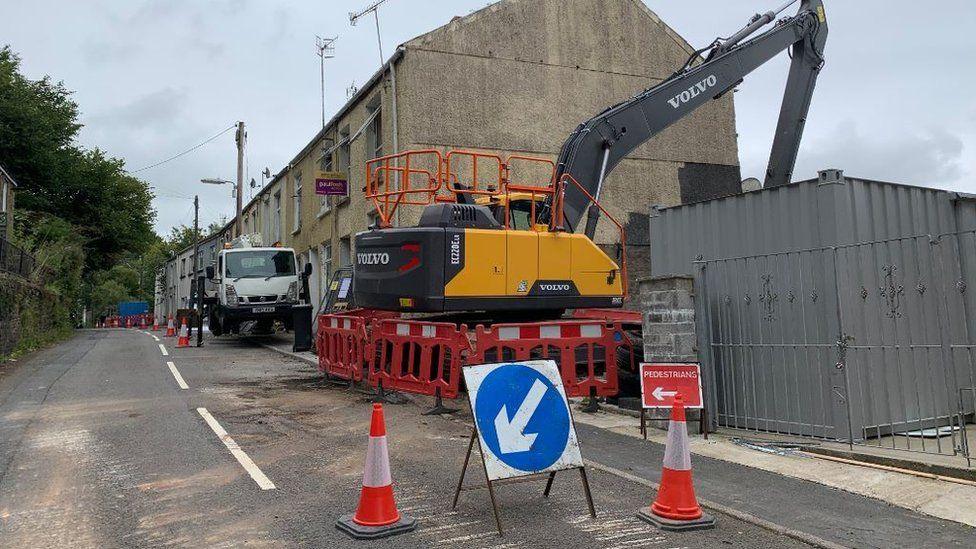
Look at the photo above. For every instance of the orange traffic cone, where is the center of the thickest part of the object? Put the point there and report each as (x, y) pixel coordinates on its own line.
(377, 515)
(155, 324)
(184, 339)
(170, 329)
(676, 507)
(142, 323)
(128, 322)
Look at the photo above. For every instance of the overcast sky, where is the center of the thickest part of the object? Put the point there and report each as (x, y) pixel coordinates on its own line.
(153, 77)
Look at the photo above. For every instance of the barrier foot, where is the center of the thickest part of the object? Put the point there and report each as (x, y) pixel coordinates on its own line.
(382, 397)
(592, 406)
(335, 381)
(439, 407)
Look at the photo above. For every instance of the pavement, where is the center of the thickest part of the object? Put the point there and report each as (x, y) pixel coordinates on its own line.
(101, 447)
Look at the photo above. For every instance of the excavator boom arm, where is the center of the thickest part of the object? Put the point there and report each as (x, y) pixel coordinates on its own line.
(595, 148)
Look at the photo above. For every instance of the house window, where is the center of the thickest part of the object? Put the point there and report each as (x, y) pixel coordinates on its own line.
(297, 203)
(183, 268)
(374, 133)
(277, 216)
(326, 256)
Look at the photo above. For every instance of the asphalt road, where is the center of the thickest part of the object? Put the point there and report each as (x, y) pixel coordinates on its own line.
(100, 447)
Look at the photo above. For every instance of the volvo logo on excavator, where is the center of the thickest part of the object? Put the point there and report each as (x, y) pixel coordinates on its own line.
(692, 92)
(555, 287)
(373, 258)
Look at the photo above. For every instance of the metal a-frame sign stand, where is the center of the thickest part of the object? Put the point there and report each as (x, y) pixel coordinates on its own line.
(489, 484)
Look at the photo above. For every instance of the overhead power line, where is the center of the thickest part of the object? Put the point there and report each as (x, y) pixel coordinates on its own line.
(191, 149)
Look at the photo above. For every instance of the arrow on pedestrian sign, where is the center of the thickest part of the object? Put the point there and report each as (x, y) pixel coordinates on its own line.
(659, 393)
(511, 435)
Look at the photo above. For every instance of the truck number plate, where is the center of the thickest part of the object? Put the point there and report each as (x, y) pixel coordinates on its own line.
(264, 309)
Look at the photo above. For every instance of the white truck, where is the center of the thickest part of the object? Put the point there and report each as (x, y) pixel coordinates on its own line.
(252, 283)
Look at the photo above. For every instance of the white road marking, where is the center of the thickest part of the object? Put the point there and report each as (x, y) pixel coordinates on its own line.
(154, 337)
(176, 374)
(162, 349)
(252, 469)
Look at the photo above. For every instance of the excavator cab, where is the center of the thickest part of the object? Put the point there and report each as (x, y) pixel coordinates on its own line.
(518, 208)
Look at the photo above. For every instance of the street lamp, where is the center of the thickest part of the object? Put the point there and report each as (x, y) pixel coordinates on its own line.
(218, 181)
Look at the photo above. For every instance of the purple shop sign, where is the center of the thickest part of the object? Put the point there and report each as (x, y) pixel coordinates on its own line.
(331, 186)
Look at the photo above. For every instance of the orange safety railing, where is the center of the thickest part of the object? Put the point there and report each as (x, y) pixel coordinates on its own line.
(390, 180)
(495, 183)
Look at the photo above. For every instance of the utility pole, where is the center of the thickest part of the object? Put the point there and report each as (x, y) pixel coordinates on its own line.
(197, 291)
(241, 137)
(326, 50)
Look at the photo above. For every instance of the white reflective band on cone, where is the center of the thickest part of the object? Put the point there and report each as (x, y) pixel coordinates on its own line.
(376, 472)
(677, 454)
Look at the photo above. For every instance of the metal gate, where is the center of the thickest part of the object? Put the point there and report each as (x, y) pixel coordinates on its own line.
(868, 343)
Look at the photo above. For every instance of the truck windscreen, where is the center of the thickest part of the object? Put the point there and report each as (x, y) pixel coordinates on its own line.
(260, 264)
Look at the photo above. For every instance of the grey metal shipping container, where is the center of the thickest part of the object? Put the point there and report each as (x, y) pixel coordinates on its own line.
(835, 307)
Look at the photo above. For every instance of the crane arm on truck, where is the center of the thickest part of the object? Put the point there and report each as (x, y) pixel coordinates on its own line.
(598, 145)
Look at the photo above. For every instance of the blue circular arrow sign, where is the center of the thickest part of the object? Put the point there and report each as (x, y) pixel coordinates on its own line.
(522, 417)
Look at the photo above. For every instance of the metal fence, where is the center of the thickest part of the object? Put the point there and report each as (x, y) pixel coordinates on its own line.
(15, 260)
(870, 343)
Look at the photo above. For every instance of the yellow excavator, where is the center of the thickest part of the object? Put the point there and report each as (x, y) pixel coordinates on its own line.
(506, 245)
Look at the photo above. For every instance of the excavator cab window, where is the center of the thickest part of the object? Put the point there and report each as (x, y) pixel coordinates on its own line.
(520, 215)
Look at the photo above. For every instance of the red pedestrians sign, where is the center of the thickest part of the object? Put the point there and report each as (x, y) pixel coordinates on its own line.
(660, 383)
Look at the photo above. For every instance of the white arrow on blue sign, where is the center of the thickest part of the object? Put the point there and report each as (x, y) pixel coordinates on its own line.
(523, 418)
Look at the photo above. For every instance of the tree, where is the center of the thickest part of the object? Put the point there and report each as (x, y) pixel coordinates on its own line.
(38, 123)
(110, 209)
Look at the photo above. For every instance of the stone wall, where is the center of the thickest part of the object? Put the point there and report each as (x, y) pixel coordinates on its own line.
(668, 311)
(29, 315)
